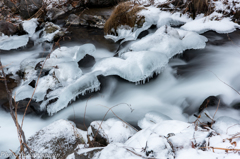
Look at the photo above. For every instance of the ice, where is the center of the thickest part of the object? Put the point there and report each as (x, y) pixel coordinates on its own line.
(169, 41)
(133, 66)
(113, 130)
(226, 125)
(13, 42)
(30, 26)
(214, 22)
(84, 84)
(152, 118)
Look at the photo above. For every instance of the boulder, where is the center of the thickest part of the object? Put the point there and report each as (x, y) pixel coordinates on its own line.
(102, 3)
(59, 138)
(28, 8)
(73, 19)
(54, 13)
(8, 28)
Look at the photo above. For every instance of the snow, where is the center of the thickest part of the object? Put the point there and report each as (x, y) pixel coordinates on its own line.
(30, 26)
(152, 118)
(13, 42)
(211, 22)
(226, 125)
(113, 130)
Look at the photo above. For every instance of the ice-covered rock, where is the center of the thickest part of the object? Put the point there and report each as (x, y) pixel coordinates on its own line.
(30, 26)
(13, 42)
(152, 118)
(112, 130)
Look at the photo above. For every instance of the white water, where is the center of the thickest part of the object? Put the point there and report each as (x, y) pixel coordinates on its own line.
(169, 93)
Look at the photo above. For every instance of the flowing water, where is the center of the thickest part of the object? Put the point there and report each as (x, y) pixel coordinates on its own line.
(177, 92)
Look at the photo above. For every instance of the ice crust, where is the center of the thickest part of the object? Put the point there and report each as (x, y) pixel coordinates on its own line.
(13, 42)
(30, 26)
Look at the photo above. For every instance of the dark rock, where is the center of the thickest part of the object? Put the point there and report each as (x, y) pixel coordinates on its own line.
(12, 83)
(93, 20)
(21, 106)
(102, 3)
(88, 154)
(8, 28)
(32, 83)
(209, 101)
(87, 61)
(98, 138)
(143, 34)
(28, 8)
(13, 6)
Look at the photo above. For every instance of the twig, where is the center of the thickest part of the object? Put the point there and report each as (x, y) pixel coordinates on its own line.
(225, 82)
(135, 153)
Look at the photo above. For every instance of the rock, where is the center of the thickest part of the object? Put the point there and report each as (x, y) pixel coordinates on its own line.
(209, 101)
(52, 32)
(54, 13)
(28, 8)
(13, 6)
(93, 21)
(86, 154)
(12, 83)
(8, 28)
(111, 130)
(59, 138)
(73, 19)
(102, 3)
(87, 61)
(21, 106)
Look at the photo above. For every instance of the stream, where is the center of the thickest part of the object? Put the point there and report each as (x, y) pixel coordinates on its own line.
(177, 92)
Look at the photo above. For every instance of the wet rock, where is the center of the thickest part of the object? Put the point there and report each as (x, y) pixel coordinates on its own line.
(93, 21)
(73, 19)
(28, 8)
(21, 106)
(59, 138)
(87, 61)
(8, 28)
(12, 83)
(54, 13)
(209, 101)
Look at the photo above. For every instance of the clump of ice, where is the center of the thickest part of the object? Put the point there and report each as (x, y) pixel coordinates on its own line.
(13, 42)
(30, 26)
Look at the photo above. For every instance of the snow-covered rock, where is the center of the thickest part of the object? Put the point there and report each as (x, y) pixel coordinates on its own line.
(112, 130)
(57, 139)
(152, 118)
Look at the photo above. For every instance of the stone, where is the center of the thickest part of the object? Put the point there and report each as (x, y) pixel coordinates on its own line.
(59, 138)
(54, 13)
(73, 19)
(8, 28)
(28, 8)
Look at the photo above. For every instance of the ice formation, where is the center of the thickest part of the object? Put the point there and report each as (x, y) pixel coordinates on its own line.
(30, 26)
(13, 42)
